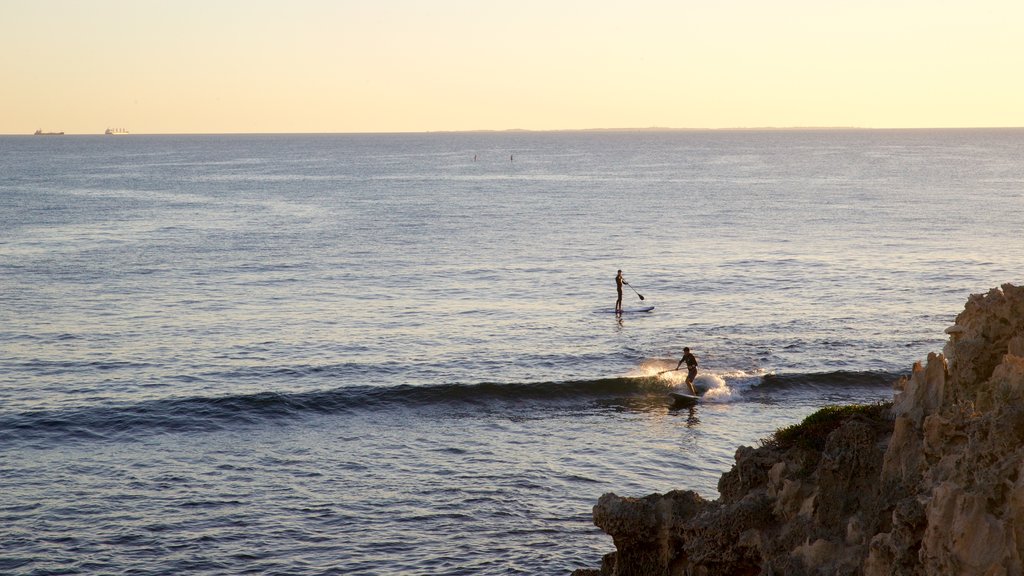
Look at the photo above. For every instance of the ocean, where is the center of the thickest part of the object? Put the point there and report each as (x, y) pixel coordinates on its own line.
(397, 353)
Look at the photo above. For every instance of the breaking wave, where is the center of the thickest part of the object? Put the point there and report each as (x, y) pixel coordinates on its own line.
(200, 414)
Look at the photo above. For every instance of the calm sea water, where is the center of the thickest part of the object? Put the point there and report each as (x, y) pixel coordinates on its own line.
(395, 354)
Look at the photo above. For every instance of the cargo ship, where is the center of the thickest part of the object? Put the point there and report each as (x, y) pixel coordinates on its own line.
(115, 131)
(41, 133)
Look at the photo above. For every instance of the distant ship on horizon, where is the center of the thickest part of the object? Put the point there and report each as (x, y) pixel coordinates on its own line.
(41, 133)
(115, 131)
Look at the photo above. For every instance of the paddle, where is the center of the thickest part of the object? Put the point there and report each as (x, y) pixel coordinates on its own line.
(634, 290)
(663, 371)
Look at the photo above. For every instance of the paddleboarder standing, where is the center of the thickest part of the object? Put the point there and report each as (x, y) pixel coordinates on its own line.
(691, 368)
(619, 281)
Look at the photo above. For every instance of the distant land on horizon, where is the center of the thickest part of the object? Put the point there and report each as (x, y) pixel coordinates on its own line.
(540, 131)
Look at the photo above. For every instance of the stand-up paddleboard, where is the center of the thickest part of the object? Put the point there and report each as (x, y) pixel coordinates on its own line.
(684, 399)
(631, 310)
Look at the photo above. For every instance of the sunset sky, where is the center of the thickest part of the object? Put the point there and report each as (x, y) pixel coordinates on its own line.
(216, 66)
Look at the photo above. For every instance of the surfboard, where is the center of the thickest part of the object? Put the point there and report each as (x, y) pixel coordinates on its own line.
(687, 399)
(630, 310)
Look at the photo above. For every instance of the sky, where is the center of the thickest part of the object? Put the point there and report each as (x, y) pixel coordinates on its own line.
(296, 66)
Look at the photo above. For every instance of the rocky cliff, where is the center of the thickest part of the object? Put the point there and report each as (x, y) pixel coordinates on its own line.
(932, 483)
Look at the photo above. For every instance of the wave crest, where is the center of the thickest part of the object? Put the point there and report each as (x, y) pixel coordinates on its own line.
(201, 414)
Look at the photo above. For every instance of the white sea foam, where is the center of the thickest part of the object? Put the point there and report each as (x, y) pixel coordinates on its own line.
(714, 386)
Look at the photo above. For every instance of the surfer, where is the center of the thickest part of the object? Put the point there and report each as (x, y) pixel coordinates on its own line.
(691, 368)
(619, 281)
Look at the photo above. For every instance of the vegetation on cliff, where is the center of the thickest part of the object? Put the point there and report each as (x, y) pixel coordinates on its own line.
(813, 432)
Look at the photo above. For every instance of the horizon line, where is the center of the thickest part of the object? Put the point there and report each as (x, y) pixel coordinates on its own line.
(530, 130)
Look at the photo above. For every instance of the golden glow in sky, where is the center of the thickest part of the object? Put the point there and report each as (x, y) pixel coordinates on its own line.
(213, 66)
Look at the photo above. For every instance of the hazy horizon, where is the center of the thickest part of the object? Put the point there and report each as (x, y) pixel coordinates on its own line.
(528, 130)
(401, 66)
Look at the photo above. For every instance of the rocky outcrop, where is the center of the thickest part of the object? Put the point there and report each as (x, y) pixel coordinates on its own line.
(931, 484)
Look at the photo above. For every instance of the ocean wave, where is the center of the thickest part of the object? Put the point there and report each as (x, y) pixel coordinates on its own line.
(200, 414)
(724, 386)
(836, 379)
(196, 414)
